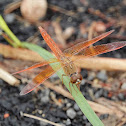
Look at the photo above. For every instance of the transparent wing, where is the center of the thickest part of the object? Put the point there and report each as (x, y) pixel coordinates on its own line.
(53, 46)
(99, 49)
(53, 60)
(40, 78)
(82, 45)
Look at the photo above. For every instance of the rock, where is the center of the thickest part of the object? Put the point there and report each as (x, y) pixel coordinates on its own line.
(33, 10)
(76, 107)
(114, 98)
(43, 123)
(88, 124)
(79, 113)
(117, 55)
(102, 75)
(45, 96)
(105, 93)
(60, 114)
(91, 76)
(121, 96)
(84, 117)
(83, 82)
(62, 124)
(98, 93)
(68, 122)
(68, 105)
(9, 18)
(123, 86)
(71, 113)
(45, 99)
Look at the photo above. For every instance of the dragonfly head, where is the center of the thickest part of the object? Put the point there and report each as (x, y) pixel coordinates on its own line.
(76, 78)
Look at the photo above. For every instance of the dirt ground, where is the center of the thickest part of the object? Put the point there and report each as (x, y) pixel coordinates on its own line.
(86, 19)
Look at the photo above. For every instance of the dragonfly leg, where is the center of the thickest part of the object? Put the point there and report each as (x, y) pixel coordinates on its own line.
(70, 88)
(74, 88)
(62, 80)
(78, 86)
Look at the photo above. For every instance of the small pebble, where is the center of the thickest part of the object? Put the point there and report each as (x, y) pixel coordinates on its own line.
(83, 82)
(2, 1)
(79, 113)
(76, 2)
(68, 105)
(104, 116)
(123, 86)
(117, 55)
(71, 113)
(84, 73)
(45, 96)
(105, 93)
(121, 96)
(102, 75)
(88, 124)
(65, 100)
(62, 124)
(114, 98)
(43, 123)
(9, 18)
(76, 107)
(68, 122)
(98, 93)
(84, 117)
(45, 99)
(91, 76)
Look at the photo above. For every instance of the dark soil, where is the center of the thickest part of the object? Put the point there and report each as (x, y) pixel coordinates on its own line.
(40, 103)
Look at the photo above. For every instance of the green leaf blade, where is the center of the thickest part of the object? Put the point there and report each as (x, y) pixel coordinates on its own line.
(78, 97)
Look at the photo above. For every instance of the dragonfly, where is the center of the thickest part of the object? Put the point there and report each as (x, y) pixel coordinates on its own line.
(66, 61)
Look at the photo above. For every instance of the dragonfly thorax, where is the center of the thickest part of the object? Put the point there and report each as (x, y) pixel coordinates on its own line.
(76, 78)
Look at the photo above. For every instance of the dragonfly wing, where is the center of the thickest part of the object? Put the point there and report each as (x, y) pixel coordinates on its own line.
(53, 46)
(82, 45)
(53, 60)
(40, 78)
(99, 49)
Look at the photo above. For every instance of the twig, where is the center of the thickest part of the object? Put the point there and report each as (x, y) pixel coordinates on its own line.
(8, 78)
(61, 10)
(62, 36)
(67, 33)
(98, 13)
(95, 106)
(38, 118)
(57, 89)
(118, 109)
(98, 63)
(53, 97)
(58, 31)
(102, 109)
(19, 53)
(11, 7)
(88, 63)
(121, 122)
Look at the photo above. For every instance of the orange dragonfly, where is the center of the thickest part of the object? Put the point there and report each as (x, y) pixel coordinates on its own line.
(65, 59)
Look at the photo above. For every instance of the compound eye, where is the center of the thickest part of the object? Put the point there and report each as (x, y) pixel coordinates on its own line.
(73, 79)
(79, 76)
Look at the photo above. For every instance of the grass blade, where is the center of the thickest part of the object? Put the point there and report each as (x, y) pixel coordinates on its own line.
(5, 28)
(78, 97)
